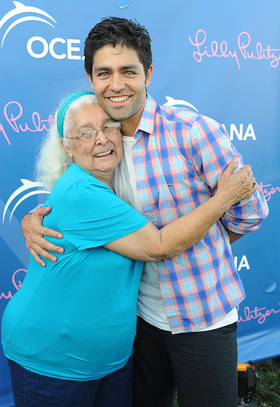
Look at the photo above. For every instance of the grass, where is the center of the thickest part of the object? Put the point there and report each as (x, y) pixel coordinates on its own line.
(267, 393)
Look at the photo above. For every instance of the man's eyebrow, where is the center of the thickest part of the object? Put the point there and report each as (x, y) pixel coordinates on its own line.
(102, 68)
(122, 68)
(127, 67)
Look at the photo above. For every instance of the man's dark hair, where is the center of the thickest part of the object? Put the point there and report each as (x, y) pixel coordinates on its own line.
(114, 31)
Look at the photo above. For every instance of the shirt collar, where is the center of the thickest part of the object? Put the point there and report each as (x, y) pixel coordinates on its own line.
(146, 122)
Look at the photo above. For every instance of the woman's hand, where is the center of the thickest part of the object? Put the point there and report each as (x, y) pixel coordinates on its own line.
(33, 231)
(233, 186)
(151, 244)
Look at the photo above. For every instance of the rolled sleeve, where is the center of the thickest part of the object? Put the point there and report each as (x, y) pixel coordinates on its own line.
(212, 151)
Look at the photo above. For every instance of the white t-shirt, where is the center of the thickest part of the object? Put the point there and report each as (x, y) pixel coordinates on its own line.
(150, 302)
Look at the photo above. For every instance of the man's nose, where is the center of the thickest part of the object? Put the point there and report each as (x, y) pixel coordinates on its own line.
(117, 83)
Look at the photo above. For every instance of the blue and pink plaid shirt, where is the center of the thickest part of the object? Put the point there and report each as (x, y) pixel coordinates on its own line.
(179, 156)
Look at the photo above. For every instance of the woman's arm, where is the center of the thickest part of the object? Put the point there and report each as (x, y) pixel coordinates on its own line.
(151, 244)
(148, 243)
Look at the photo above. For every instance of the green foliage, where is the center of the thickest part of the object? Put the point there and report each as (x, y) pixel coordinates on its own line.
(267, 392)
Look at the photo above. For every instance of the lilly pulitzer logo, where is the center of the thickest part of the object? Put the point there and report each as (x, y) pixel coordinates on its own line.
(21, 14)
(21, 194)
(174, 102)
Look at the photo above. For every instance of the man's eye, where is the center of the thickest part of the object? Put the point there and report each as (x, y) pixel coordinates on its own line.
(129, 73)
(103, 74)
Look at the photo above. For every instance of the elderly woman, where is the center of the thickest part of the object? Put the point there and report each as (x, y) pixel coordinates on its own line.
(68, 333)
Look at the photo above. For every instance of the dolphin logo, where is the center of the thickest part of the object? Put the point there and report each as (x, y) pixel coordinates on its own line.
(173, 102)
(22, 9)
(122, 3)
(25, 187)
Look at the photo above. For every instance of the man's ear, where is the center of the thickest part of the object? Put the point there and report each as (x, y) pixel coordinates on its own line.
(89, 77)
(67, 149)
(149, 75)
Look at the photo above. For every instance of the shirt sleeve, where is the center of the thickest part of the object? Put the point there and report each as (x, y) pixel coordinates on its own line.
(93, 215)
(211, 152)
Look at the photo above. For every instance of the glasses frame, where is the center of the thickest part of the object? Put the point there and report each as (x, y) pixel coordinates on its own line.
(112, 126)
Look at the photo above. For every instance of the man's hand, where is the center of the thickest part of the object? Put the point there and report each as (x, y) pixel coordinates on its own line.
(33, 231)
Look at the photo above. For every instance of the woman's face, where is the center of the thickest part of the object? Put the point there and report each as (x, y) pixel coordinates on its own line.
(101, 155)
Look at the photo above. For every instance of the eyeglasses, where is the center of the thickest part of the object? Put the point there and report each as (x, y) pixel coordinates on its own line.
(89, 136)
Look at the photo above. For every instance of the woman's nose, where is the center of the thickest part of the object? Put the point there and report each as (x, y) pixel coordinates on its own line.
(101, 137)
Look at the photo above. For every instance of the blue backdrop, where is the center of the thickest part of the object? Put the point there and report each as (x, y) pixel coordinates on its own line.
(221, 57)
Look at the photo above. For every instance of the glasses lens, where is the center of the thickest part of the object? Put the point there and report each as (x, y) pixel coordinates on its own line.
(111, 128)
(88, 136)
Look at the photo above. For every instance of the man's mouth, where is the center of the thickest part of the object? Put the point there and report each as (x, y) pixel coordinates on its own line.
(104, 153)
(118, 99)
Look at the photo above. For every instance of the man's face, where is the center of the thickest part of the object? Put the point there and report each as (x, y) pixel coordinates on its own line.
(119, 81)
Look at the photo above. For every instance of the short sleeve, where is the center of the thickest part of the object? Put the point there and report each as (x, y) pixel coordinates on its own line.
(92, 215)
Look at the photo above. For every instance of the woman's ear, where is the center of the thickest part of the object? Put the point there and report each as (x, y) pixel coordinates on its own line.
(66, 148)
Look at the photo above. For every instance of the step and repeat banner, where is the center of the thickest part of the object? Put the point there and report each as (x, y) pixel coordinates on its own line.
(220, 58)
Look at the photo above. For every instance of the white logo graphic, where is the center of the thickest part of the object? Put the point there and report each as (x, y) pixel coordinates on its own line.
(174, 102)
(25, 187)
(22, 9)
(241, 133)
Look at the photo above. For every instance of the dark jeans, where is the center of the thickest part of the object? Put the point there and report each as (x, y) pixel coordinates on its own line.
(202, 366)
(34, 390)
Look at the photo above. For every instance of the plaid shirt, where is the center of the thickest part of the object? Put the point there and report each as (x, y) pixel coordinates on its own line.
(178, 157)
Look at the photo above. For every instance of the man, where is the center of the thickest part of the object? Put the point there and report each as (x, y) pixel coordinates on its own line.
(186, 334)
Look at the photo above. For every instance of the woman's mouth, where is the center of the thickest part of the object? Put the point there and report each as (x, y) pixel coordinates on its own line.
(104, 153)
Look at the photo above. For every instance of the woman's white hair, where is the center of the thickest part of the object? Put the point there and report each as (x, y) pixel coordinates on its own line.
(52, 160)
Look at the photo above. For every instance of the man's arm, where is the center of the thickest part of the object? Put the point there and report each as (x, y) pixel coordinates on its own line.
(33, 231)
(211, 150)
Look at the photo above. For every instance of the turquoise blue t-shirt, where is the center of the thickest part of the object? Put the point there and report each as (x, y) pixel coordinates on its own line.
(76, 319)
